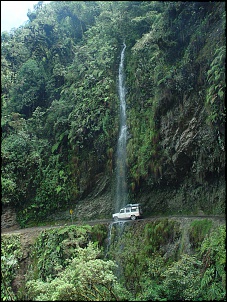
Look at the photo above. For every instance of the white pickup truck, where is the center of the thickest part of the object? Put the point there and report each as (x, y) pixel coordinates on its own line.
(130, 211)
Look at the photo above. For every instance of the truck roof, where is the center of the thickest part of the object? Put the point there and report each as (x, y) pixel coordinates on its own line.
(132, 205)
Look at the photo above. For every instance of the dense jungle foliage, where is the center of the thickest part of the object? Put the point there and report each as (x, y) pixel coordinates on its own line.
(151, 261)
(60, 107)
(60, 125)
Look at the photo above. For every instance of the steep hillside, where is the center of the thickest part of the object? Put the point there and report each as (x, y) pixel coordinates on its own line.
(134, 261)
(60, 108)
(179, 82)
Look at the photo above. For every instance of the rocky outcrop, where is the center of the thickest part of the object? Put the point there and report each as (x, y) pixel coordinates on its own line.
(97, 204)
(184, 144)
(8, 218)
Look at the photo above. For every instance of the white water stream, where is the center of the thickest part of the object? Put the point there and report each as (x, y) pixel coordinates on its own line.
(121, 181)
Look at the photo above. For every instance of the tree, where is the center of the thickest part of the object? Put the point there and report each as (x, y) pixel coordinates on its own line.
(86, 278)
(213, 254)
(182, 279)
(29, 89)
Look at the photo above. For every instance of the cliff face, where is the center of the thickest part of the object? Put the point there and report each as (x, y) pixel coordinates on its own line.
(192, 177)
(176, 146)
(59, 148)
(175, 113)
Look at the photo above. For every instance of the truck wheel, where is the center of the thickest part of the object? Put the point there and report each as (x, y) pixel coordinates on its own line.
(133, 217)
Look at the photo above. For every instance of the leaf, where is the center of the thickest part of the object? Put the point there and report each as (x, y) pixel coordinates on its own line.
(55, 147)
(220, 93)
(58, 189)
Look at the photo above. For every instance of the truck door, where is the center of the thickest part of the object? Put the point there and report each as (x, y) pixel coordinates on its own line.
(127, 212)
(122, 214)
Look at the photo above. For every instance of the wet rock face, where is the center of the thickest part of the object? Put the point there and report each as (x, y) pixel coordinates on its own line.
(192, 159)
(8, 218)
(179, 128)
(189, 142)
(182, 159)
(184, 142)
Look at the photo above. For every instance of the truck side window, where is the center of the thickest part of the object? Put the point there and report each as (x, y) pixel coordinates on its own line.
(127, 210)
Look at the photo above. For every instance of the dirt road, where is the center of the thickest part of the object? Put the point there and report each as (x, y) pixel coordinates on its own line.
(221, 219)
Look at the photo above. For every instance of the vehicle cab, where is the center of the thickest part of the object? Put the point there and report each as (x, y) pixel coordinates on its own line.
(130, 211)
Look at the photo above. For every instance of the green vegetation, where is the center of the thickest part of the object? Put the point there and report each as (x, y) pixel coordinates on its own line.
(60, 123)
(11, 255)
(213, 256)
(71, 263)
(198, 230)
(160, 233)
(60, 104)
(153, 267)
(85, 278)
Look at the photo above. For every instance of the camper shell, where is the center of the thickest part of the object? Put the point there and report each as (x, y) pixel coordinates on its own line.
(130, 211)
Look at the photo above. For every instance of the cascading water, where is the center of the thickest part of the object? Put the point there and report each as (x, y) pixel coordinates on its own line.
(118, 231)
(121, 182)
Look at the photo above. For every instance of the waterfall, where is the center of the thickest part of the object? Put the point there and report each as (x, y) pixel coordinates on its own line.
(118, 231)
(109, 238)
(121, 182)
